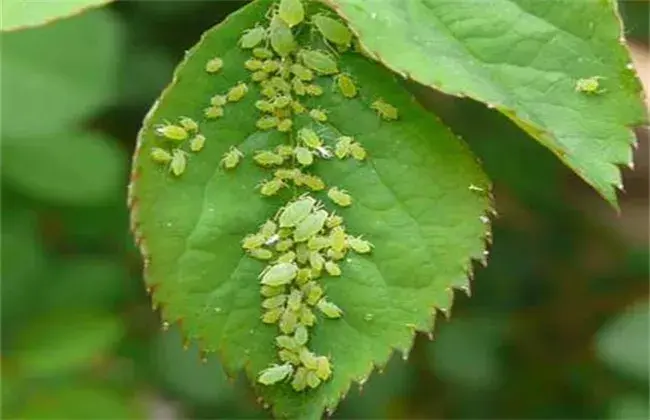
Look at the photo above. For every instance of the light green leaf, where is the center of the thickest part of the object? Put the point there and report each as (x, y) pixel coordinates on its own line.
(57, 75)
(523, 57)
(67, 168)
(21, 14)
(412, 200)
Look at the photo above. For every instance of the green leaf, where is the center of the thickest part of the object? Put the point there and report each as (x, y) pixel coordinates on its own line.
(524, 58)
(57, 75)
(412, 200)
(21, 14)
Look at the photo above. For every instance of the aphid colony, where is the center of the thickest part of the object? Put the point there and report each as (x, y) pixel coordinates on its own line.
(175, 136)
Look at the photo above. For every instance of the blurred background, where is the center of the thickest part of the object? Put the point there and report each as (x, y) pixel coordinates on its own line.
(557, 326)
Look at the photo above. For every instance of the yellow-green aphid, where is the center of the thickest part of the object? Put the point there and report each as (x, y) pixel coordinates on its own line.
(304, 275)
(284, 126)
(280, 84)
(304, 156)
(329, 309)
(323, 370)
(332, 268)
(313, 293)
(301, 336)
(342, 148)
(309, 138)
(590, 85)
(252, 37)
(318, 114)
(282, 40)
(253, 241)
(284, 245)
(346, 86)
(268, 91)
(316, 243)
(299, 382)
(262, 53)
(286, 342)
(338, 239)
(302, 254)
(333, 221)
(237, 92)
(272, 316)
(267, 123)
(291, 12)
(270, 66)
(261, 254)
(287, 257)
(357, 151)
(312, 379)
(269, 188)
(188, 124)
(259, 75)
(335, 255)
(213, 112)
(297, 107)
(385, 110)
(359, 245)
(285, 173)
(306, 316)
(264, 106)
(286, 151)
(302, 72)
(333, 30)
(310, 226)
(279, 274)
(319, 61)
(270, 291)
(197, 143)
(282, 101)
(314, 90)
(159, 155)
(178, 163)
(253, 64)
(274, 302)
(268, 229)
(267, 158)
(296, 211)
(295, 300)
(275, 374)
(214, 65)
(340, 197)
(218, 100)
(313, 182)
(289, 356)
(231, 158)
(308, 358)
(316, 260)
(172, 132)
(298, 87)
(288, 321)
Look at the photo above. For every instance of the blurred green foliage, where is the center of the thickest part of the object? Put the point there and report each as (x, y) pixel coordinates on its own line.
(557, 326)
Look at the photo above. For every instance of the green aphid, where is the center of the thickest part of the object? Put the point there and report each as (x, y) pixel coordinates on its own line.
(296, 212)
(338, 239)
(267, 158)
(178, 163)
(297, 107)
(358, 152)
(299, 382)
(313, 182)
(324, 369)
(308, 358)
(282, 40)
(268, 229)
(313, 293)
(358, 245)
(262, 53)
(214, 65)
(314, 90)
(385, 110)
(253, 241)
(270, 188)
(268, 91)
(316, 243)
(301, 336)
(340, 197)
(218, 100)
(189, 124)
(304, 156)
(275, 374)
(342, 148)
(288, 322)
(310, 226)
(309, 138)
(285, 125)
(282, 101)
(298, 87)
(319, 61)
(312, 379)
(270, 291)
(237, 92)
(274, 302)
(287, 257)
(590, 85)
(267, 123)
(259, 76)
(294, 300)
(284, 233)
(334, 221)
(304, 276)
(335, 255)
(252, 37)
(286, 342)
(286, 173)
(270, 66)
(253, 64)
(329, 309)
(291, 12)
(289, 356)
(333, 30)
(332, 268)
(280, 84)
(316, 260)
(231, 158)
(172, 132)
(346, 86)
(318, 115)
(159, 155)
(285, 151)
(261, 254)
(272, 316)
(213, 112)
(279, 274)
(306, 316)
(284, 245)
(197, 143)
(264, 106)
(302, 72)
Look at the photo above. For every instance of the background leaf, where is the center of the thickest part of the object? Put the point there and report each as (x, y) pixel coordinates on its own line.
(20, 14)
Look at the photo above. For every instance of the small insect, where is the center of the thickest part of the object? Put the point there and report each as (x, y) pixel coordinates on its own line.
(268, 91)
(340, 197)
(264, 106)
(218, 100)
(261, 254)
(159, 155)
(269, 188)
(253, 64)
(291, 11)
(282, 101)
(342, 148)
(358, 152)
(287, 257)
(302, 72)
(314, 90)
(316, 243)
(298, 87)
(267, 123)
(318, 114)
(333, 221)
(270, 291)
(359, 245)
(324, 152)
(313, 293)
(306, 316)
(213, 112)
(288, 322)
(262, 53)
(304, 156)
(286, 151)
(188, 124)
(284, 126)
(253, 241)
(312, 379)
(308, 358)
(309, 138)
(284, 245)
(316, 260)
(346, 86)
(590, 85)
(282, 40)
(231, 158)
(280, 84)
(332, 30)
(335, 255)
(310, 226)
(197, 143)
(259, 76)
(270, 66)
(295, 300)
(304, 275)
(178, 163)
(237, 92)
(214, 65)
(299, 382)
(274, 302)
(172, 132)
(296, 212)
(297, 107)
(332, 268)
(301, 336)
(252, 37)
(318, 61)
(286, 342)
(324, 369)
(267, 158)
(385, 110)
(272, 316)
(279, 274)
(329, 309)
(338, 239)
(289, 356)
(275, 374)
(313, 182)
(302, 253)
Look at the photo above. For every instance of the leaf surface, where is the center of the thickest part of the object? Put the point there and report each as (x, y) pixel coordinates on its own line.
(21, 14)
